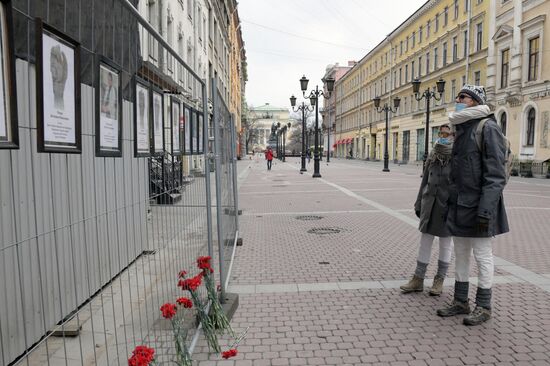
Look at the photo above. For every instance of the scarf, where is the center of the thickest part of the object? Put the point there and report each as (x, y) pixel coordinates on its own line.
(440, 154)
(477, 112)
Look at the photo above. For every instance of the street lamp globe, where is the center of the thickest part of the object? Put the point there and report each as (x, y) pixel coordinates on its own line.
(396, 102)
(416, 85)
(376, 102)
(312, 101)
(440, 86)
(330, 84)
(293, 101)
(303, 83)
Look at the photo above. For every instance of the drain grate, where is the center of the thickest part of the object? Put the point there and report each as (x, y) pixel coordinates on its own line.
(324, 230)
(309, 217)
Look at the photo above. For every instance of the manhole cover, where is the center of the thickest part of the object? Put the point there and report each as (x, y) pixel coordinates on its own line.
(324, 230)
(308, 217)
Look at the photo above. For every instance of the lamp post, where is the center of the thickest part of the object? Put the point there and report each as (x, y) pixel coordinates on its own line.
(302, 108)
(279, 141)
(387, 109)
(314, 101)
(283, 132)
(427, 94)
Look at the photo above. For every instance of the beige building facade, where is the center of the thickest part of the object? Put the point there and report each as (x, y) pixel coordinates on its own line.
(264, 116)
(444, 39)
(518, 80)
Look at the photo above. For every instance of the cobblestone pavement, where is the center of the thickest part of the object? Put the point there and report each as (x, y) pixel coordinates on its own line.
(322, 260)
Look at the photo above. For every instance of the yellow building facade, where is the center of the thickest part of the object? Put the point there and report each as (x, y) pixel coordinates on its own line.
(518, 81)
(237, 66)
(444, 39)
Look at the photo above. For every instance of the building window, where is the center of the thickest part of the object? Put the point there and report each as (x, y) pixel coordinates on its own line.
(435, 58)
(401, 48)
(406, 73)
(407, 44)
(420, 34)
(455, 48)
(446, 16)
(503, 121)
(412, 70)
(427, 63)
(444, 54)
(428, 25)
(465, 43)
(505, 56)
(479, 36)
(453, 89)
(477, 78)
(533, 58)
(400, 72)
(419, 66)
(413, 40)
(530, 140)
(463, 79)
(436, 22)
(456, 8)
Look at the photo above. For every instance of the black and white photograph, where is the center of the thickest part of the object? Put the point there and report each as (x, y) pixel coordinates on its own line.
(109, 116)
(9, 137)
(200, 135)
(175, 126)
(58, 91)
(194, 132)
(187, 138)
(158, 123)
(142, 125)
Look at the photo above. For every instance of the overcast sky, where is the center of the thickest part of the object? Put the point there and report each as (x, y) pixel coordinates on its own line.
(285, 39)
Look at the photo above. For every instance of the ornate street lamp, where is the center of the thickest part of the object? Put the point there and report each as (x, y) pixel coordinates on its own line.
(302, 108)
(387, 109)
(427, 94)
(314, 100)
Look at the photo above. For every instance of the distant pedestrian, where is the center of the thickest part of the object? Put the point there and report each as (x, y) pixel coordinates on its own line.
(351, 153)
(308, 156)
(431, 208)
(476, 205)
(269, 157)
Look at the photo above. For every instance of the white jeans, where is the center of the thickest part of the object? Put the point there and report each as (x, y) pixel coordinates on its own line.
(425, 251)
(483, 254)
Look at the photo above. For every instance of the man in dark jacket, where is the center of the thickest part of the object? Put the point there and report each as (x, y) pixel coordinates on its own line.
(476, 207)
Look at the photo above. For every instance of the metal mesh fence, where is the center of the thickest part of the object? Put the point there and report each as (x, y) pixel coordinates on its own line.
(226, 184)
(91, 246)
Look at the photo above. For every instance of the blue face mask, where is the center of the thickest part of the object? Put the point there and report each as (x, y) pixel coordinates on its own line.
(459, 107)
(443, 141)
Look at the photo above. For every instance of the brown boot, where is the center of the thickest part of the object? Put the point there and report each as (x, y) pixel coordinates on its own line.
(437, 286)
(416, 284)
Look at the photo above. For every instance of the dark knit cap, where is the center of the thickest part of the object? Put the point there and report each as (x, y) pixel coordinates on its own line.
(477, 92)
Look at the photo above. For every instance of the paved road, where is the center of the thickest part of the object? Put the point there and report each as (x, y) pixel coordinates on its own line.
(322, 261)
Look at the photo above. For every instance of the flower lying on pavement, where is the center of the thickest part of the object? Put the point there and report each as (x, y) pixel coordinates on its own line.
(228, 354)
(142, 356)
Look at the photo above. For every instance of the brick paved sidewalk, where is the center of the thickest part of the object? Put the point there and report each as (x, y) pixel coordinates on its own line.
(322, 260)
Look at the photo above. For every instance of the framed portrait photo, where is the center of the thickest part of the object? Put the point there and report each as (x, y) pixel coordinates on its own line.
(57, 91)
(175, 125)
(187, 131)
(108, 122)
(157, 116)
(9, 134)
(194, 132)
(142, 118)
(200, 135)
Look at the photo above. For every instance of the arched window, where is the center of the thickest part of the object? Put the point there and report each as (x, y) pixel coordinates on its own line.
(530, 140)
(503, 121)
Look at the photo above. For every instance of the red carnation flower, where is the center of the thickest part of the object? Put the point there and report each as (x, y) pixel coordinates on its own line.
(168, 310)
(185, 302)
(190, 284)
(182, 274)
(141, 356)
(204, 263)
(228, 354)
